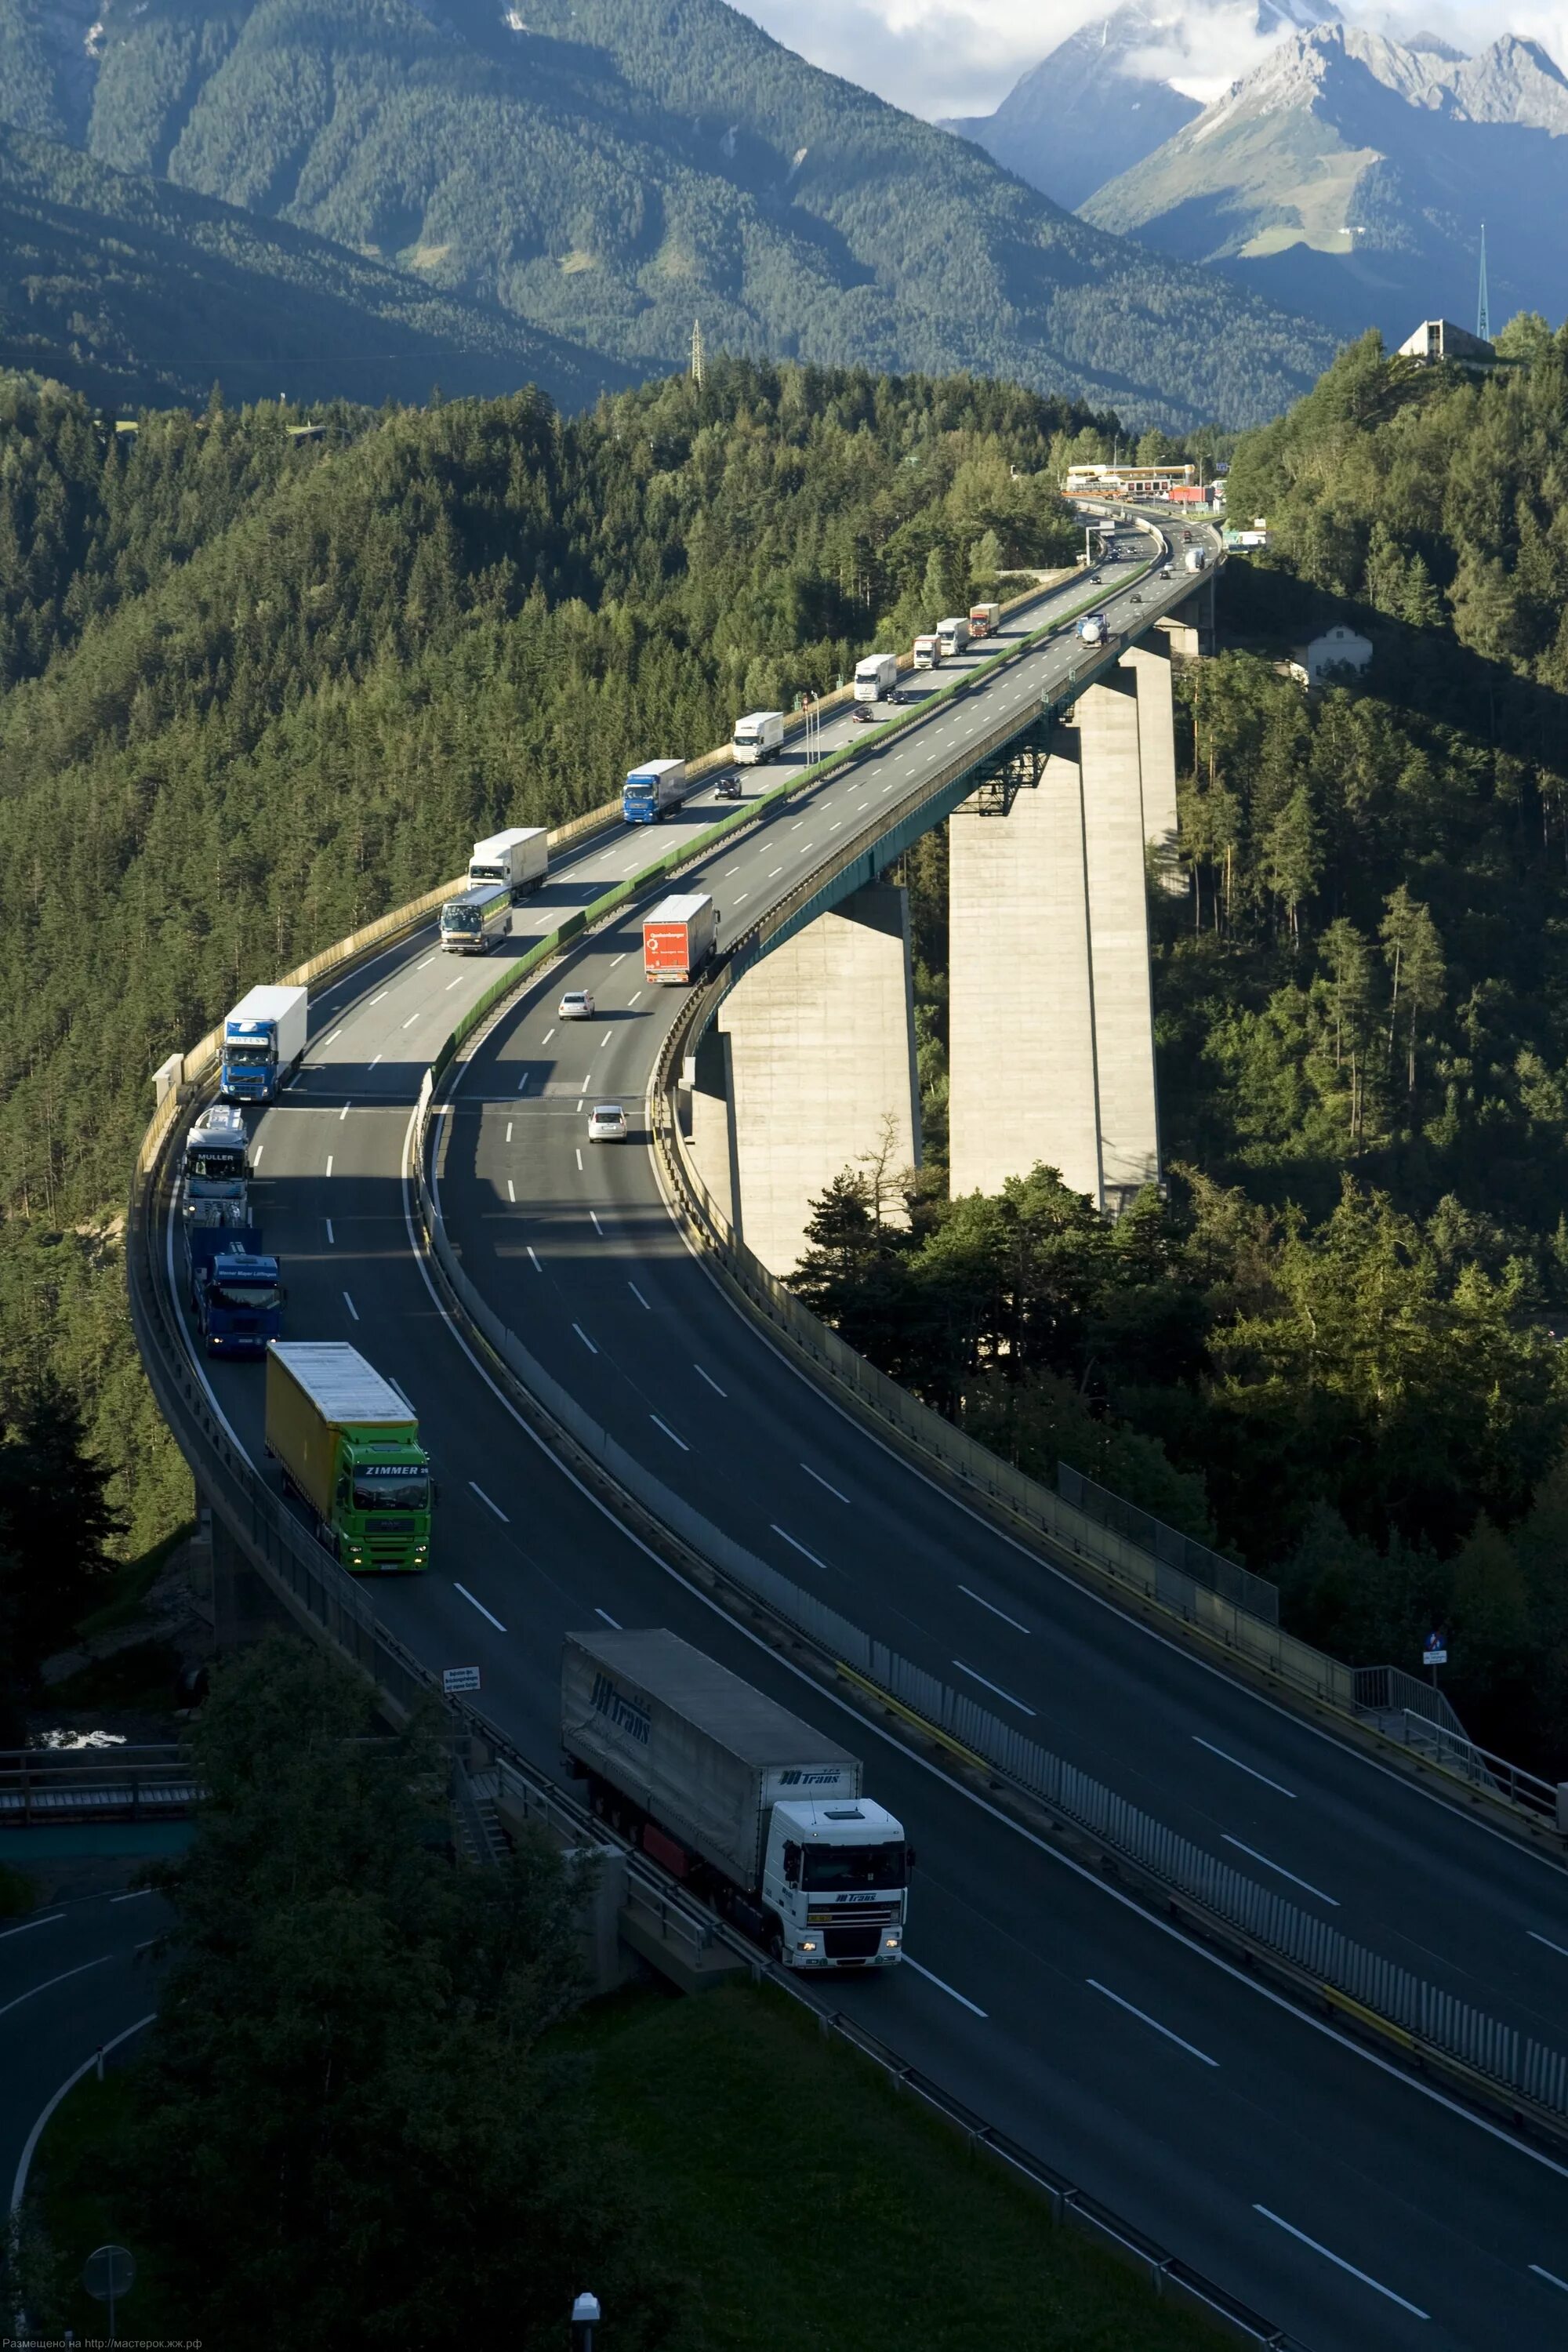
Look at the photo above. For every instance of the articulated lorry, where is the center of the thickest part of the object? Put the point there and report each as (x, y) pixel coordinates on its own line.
(349, 1447)
(953, 634)
(1196, 558)
(985, 620)
(1094, 629)
(215, 1168)
(758, 736)
(732, 1793)
(263, 1043)
(520, 858)
(876, 677)
(236, 1289)
(678, 937)
(927, 652)
(649, 791)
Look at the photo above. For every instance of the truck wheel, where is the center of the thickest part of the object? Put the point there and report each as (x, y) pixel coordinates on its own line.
(776, 1945)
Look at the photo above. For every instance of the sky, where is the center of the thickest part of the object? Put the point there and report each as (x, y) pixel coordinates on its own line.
(962, 57)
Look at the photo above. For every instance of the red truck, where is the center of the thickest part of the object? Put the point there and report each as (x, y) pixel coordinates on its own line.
(678, 937)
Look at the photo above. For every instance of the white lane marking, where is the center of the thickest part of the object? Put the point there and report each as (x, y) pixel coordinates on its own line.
(620, 958)
(609, 1039)
(579, 1101)
(995, 1688)
(511, 1123)
(729, 870)
(374, 1060)
(1536, 1937)
(943, 1986)
(411, 1020)
(742, 899)
(824, 1482)
(607, 1618)
(994, 1611)
(1340, 2263)
(330, 1235)
(1228, 1759)
(583, 1337)
(344, 1112)
(523, 1084)
(426, 965)
(255, 1155)
(797, 1546)
(353, 1310)
(547, 1036)
(796, 825)
(579, 1152)
(30, 2145)
(489, 1505)
(670, 1432)
(631, 1000)
(511, 1192)
(1306, 1883)
(329, 1163)
(46, 1921)
(136, 1896)
(710, 1381)
(477, 1604)
(587, 1082)
(451, 984)
(537, 1267)
(774, 873)
(1144, 2019)
(637, 1294)
(49, 1983)
(387, 992)
(598, 1228)
(1549, 2277)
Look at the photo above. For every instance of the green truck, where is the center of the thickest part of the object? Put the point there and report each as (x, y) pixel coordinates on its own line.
(349, 1445)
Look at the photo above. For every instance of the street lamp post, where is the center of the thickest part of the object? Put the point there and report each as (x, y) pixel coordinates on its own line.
(585, 2320)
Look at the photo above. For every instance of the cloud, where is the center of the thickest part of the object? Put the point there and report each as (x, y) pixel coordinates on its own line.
(940, 58)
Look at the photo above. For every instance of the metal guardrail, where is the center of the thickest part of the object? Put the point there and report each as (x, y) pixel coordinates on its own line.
(70, 1784)
(1198, 1561)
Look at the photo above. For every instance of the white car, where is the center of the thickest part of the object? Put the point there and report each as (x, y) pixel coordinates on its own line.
(577, 1005)
(606, 1124)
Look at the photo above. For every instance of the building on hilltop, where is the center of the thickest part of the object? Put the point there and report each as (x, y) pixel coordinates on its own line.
(1439, 339)
(1338, 648)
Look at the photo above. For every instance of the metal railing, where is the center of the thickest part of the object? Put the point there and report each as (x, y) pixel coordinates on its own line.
(1198, 1561)
(64, 1784)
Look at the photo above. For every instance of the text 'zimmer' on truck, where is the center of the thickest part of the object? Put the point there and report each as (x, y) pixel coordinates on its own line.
(726, 1789)
(348, 1443)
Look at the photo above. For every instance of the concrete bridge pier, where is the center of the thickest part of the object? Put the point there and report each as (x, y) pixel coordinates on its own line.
(1113, 831)
(811, 1070)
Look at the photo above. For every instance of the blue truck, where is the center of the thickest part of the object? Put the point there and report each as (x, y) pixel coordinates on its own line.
(649, 789)
(263, 1041)
(236, 1289)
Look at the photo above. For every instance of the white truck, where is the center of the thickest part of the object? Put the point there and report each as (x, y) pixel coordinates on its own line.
(757, 736)
(732, 1793)
(1094, 628)
(928, 652)
(876, 677)
(953, 633)
(263, 1043)
(217, 1168)
(519, 858)
(1196, 558)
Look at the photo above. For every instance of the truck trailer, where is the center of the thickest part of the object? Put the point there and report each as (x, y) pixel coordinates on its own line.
(1195, 558)
(732, 1793)
(649, 791)
(520, 858)
(678, 937)
(758, 736)
(1094, 629)
(236, 1289)
(985, 620)
(263, 1043)
(927, 652)
(349, 1447)
(876, 677)
(953, 633)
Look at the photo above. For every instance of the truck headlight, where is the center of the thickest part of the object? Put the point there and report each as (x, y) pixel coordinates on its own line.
(808, 1943)
(891, 1943)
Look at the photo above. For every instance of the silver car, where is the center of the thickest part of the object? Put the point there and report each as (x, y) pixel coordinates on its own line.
(577, 1005)
(606, 1124)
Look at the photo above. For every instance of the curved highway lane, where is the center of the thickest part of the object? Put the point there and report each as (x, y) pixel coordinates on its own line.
(1262, 2148)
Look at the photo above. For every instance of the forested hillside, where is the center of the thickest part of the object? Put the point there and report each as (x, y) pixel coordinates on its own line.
(132, 289)
(609, 169)
(259, 688)
(1338, 1347)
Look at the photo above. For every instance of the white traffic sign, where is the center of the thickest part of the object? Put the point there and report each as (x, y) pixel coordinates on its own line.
(457, 1679)
(1435, 1651)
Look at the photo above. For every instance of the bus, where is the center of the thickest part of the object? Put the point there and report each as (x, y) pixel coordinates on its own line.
(473, 921)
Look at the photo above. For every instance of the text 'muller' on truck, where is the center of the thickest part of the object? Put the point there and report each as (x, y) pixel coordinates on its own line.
(215, 1168)
(678, 937)
(732, 1793)
(519, 858)
(263, 1042)
(349, 1447)
(649, 791)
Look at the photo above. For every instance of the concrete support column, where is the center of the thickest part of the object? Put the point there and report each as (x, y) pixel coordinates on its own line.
(1150, 666)
(821, 1039)
(713, 1131)
(1108, 721)
(1022, 1088)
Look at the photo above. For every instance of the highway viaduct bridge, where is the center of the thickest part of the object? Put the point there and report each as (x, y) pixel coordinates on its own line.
(622, 1435)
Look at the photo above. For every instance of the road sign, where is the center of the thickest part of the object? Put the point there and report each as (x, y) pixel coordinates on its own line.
(108, 2274)
(457, 1679)
(1435, 1651)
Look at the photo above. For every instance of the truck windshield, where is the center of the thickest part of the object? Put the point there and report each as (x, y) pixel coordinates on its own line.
(639, 792)
(839, 1868)
(255, 1297)
(390, 1489)
(216, 1164)
(253, 1056)
(459, 919)
(485, 874)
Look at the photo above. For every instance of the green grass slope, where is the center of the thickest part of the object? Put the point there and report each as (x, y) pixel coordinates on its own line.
(135, 291)
(612, 170)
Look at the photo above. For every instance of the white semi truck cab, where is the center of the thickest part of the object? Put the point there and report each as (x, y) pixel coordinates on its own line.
(836, 1880)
